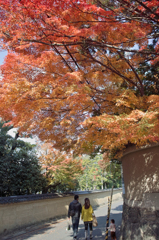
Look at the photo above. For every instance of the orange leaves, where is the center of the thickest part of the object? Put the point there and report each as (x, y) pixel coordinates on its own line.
(63, 22)
(73, 71)
(58, 166)
(116, 132)
(74, 77)
(130, 100)
(153, 101)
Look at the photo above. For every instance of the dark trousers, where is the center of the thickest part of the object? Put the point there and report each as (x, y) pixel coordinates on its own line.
(86, 225)
(75, 223)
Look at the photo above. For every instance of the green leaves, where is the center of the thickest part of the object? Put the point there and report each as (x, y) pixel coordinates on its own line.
(98, 174)
(20, 172)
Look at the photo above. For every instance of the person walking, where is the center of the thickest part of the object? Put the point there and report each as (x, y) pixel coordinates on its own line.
(87, 217)
(112, 229)
(74, 211)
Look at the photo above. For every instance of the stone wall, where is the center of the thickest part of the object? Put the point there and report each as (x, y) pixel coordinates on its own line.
(16, 214)
(139, 223)
(141, 200)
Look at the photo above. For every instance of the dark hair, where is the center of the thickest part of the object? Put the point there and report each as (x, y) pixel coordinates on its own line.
(112, 220)
(76, 197)
(87, 203)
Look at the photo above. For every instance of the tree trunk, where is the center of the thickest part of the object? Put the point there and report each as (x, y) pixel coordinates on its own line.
(45, 189)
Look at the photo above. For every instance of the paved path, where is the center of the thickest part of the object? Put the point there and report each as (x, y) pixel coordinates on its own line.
(56, 230)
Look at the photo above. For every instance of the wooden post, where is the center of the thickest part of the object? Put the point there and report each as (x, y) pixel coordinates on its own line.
(108, 215)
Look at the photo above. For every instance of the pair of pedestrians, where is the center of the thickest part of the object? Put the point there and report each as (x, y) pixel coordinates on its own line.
(74, 211)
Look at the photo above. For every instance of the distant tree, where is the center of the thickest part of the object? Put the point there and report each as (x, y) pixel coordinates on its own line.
(61, 170)
(20, 172)
(99, 173)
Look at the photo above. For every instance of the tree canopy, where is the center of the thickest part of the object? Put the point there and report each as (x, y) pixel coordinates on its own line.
(74, 74)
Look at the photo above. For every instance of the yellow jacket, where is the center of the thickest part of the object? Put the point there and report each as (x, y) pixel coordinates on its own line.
(87, 214)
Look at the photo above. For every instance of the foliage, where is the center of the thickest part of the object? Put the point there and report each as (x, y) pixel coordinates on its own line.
(61, 170)
(20, 172)
(92, 177)
(74, 72)
(114, 168)
(150, 74)
(99, 174)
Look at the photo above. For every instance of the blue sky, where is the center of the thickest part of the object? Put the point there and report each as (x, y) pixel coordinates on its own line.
(2, 55)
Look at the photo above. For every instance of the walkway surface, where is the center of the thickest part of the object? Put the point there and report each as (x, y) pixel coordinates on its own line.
(56, 230)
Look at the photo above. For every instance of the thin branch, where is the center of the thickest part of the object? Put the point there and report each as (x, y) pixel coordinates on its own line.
(72, 57)
(56, 50)
(115, 71)
(133, 69)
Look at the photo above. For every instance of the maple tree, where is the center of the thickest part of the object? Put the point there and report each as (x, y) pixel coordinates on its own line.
(60, 170)
(73, 72)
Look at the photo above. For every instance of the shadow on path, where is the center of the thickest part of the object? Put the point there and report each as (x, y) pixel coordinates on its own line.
(29, 232)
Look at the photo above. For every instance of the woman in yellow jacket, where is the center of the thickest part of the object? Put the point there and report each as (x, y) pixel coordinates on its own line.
(87, 217)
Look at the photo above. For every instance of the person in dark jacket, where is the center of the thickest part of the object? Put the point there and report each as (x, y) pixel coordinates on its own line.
(74, 211)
